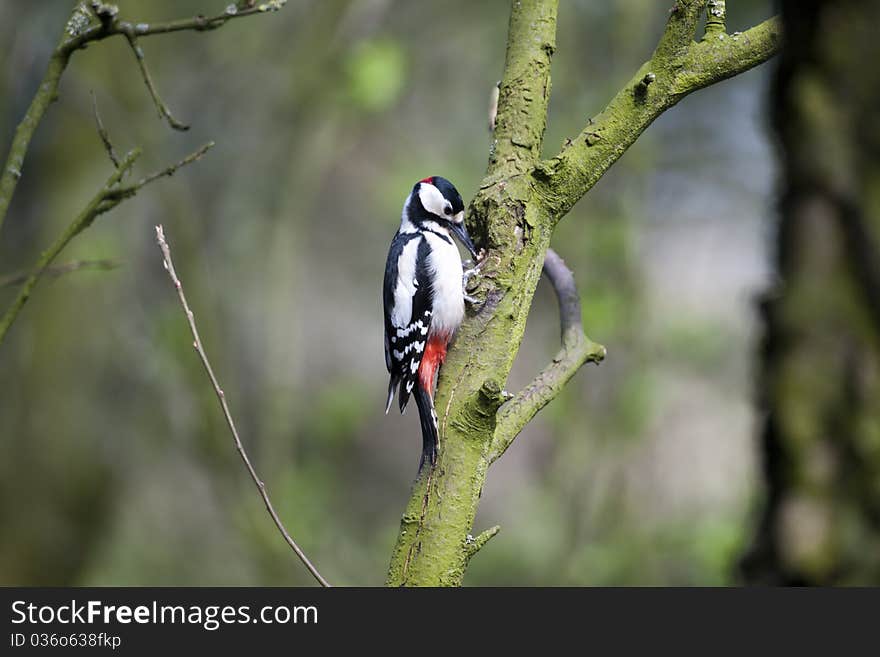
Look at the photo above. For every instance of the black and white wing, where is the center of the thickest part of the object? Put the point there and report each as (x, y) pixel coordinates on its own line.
(407, 302)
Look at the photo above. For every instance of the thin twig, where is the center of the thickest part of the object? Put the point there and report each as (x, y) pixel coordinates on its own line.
(97, 205)
(221, 396)
(130, 190)
(80, 30)
(102, 133)
(164, 112)
(196, 24)
(202, 24)
(60, 270)
(107, 198)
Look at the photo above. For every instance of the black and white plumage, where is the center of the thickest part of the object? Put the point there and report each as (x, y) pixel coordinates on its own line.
(423, 298)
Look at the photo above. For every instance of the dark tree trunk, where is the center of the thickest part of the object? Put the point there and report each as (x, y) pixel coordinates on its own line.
(820, 379)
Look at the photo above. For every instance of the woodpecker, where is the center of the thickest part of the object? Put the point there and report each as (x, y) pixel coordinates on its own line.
(423, 296)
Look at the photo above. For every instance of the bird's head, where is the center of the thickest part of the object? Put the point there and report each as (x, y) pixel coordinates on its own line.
(436, 200)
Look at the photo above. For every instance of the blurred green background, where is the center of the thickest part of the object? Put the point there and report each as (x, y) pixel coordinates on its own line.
(115, 463)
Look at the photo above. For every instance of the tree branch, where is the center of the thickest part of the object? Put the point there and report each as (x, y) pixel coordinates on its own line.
(221, 396)
(102, 133)
(94, 207)
(59, 270)
(679, 31)
(108, 197)
(96, 22)
(716, 18)
(128, 191)
(525, 88)
(110, 24)
(679, 66)
(577, 349)
(46, 94)
(720, 56)
(164, 112)
(473, 545)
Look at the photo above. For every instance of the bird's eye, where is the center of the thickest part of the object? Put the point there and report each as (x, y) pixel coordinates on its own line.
(447, 210)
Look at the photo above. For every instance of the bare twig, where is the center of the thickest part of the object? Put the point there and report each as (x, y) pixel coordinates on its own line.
(107, 198)
(59, 270)
(576, 350)
(81, 29)
(221, 396)
(195, 24)
(102, 133)
(94, 207)
(130, 190)
(164, 112)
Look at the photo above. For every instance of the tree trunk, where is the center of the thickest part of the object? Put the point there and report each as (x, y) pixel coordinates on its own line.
(821, 353)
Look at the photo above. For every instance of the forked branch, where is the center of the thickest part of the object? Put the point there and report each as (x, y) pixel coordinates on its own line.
(576, 350)
(221, 397)
(55, 271)
(92, 21)
(111, 194)
(678, 67)
(679, 31)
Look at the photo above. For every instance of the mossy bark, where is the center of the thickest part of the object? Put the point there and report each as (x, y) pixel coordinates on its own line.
(821, 355)
(513, 216)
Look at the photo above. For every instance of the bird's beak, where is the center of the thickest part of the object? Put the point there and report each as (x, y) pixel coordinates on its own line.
(463, 237)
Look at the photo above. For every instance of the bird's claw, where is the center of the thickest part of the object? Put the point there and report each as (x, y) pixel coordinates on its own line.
(464, 285)
(470, 266)
(471, 270)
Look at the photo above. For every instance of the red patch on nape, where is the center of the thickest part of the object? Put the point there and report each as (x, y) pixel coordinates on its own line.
(435, 354)
(429, 180)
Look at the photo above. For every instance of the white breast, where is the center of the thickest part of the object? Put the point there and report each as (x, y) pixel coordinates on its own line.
(444, 266)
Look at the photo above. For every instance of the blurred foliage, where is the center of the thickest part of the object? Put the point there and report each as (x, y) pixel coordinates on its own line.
(376, 72)
(115, 464)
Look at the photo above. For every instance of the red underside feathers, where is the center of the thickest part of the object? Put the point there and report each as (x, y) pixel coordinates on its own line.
(435, 354)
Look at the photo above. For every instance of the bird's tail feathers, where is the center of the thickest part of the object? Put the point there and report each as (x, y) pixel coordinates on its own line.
(430, 432)
(392, 383)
